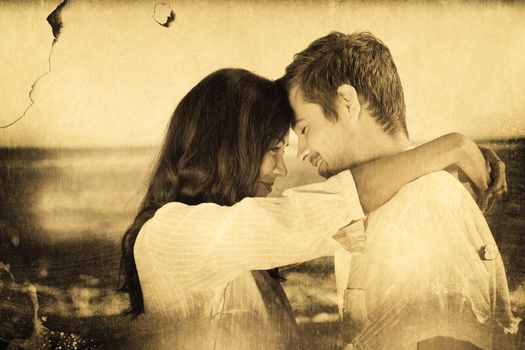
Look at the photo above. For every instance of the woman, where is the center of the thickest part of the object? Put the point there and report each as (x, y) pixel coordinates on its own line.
(193, 259)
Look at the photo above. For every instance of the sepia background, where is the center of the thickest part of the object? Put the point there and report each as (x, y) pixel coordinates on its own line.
(82, 116)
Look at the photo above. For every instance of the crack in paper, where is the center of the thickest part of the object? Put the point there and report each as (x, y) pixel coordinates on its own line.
(55, 21)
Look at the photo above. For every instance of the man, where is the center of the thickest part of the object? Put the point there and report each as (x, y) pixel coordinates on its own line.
(430, 275)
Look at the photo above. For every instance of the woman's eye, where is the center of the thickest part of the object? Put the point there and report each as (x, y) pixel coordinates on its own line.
(277, 149)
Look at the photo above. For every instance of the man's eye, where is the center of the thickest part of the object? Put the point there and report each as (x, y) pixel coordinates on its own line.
(303, 131)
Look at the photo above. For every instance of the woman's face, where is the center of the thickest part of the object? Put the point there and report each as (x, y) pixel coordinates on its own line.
(272, 166)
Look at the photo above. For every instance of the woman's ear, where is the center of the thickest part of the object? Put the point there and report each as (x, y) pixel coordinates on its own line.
(348, 106)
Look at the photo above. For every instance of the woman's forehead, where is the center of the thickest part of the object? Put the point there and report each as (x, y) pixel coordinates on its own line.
(286, 138)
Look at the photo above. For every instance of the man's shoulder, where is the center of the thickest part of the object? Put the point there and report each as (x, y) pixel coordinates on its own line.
(440, 182)
(439, 186)
(435, 190)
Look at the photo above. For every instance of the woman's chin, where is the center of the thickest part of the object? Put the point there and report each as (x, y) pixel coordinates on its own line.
(262, 191)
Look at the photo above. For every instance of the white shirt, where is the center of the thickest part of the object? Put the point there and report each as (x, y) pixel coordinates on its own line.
(424, 273)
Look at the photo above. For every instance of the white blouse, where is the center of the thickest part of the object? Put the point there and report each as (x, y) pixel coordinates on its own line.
(187, 255)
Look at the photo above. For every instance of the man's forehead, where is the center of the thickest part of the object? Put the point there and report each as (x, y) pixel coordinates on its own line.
(295, 95)
(297, 119)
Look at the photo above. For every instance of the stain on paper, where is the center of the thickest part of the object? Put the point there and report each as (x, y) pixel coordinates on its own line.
(163, 14)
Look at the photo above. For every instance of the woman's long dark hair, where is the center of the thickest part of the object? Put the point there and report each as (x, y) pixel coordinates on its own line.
(214, 146)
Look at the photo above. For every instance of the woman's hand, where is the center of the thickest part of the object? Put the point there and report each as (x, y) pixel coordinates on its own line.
(498, 186)
(485, 170)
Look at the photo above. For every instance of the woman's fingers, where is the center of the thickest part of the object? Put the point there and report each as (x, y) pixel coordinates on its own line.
(498, 181)
(483, 201)
(498, 187)
(490, 200)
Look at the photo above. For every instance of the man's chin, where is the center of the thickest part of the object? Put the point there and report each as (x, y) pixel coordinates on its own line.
(323, 174)
(326, 172)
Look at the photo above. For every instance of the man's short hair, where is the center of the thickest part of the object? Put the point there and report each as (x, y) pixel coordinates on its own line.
(358, 59)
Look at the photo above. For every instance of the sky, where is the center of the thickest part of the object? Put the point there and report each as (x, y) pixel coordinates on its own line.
(115, 75)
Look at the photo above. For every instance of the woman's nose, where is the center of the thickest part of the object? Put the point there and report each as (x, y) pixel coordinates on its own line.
(280, 167)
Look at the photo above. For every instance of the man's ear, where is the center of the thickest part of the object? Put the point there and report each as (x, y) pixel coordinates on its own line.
(347, 103)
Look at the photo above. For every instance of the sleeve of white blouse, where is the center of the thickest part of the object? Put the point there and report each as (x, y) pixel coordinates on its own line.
(219, 242)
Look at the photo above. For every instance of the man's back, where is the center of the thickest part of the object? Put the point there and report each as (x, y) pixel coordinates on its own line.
(426, 274)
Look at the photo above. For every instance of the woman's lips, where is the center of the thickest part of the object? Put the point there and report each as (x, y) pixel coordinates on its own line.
(267, 186)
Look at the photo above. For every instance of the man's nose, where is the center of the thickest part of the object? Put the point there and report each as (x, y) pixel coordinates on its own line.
(303, 150)
(280, 167)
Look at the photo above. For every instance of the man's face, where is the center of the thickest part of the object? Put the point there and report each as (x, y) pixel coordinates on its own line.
(321, 141)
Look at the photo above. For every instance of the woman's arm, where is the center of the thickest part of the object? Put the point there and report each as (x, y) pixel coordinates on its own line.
(208, 245)
(379, 180)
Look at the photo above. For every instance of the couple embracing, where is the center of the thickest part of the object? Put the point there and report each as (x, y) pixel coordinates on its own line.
(416, 264)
